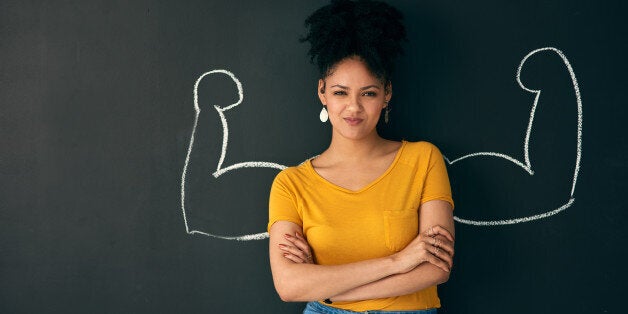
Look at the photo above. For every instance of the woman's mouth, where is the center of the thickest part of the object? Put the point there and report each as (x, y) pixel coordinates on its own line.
(353, 121)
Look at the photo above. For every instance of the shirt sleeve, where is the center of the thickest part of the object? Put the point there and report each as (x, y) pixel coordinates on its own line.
(282, 203)
(436, 185)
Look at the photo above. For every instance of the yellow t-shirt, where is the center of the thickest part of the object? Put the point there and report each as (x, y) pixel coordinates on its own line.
(344, 226)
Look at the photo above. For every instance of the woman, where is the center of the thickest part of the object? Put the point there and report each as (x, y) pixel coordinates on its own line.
(367, 225)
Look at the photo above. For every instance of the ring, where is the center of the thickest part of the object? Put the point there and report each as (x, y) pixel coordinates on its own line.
(434, 241)
(437, 243)
(430, 231)
(437, 251)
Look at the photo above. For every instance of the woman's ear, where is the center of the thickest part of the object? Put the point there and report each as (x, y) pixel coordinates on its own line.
(388, 91)
(321, 91)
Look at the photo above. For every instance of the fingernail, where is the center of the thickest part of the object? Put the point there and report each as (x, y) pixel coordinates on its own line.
(282, 246)
(287, 235)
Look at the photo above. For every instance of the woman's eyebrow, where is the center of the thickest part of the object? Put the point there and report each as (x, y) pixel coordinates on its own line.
(369, 86)
(361, 88)
(340, 86)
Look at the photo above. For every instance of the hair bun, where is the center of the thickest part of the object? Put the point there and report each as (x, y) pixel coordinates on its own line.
(372, 30)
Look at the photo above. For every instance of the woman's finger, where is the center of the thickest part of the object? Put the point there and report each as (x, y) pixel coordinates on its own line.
(295, 251)
(293, 258)
(294, 239)
(301, 243)
(303, 249)
(435, 260)
(438, 247)
(443, 255)
(444, 244)
(440, 242)
(438, 230)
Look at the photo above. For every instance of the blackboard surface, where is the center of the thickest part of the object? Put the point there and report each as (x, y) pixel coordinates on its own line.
(114, 186)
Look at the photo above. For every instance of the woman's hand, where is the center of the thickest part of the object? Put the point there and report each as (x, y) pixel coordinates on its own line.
(435, 246)
(299, 251)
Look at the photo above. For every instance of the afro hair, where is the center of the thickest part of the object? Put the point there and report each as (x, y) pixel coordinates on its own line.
(370, 30)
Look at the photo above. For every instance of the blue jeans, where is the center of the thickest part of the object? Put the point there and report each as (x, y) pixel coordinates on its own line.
(318, 308)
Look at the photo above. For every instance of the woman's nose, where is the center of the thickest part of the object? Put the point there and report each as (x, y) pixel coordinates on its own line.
(354, 103)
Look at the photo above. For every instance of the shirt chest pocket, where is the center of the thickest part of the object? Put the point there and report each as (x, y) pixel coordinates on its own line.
(400, 228)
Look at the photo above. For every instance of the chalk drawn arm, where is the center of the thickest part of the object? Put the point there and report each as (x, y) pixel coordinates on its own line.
(526, 164)
(423, 276)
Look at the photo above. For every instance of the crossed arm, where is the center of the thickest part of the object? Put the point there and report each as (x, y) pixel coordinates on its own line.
(424, 262)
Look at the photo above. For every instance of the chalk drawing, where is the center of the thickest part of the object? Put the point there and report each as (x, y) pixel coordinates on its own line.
(219, 169)
(525, 165)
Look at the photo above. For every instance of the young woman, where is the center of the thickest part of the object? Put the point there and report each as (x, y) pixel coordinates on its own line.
(367, 225)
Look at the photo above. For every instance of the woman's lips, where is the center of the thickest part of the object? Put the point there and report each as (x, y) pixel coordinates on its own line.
(353, 121)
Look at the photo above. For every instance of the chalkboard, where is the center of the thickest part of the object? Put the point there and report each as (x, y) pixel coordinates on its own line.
(140, 138)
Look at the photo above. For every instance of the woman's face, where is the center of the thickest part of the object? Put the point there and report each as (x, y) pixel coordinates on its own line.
(354, 98)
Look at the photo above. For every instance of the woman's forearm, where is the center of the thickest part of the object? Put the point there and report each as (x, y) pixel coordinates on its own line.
(423, 276)
(298, 281)
(433, 213)
(310, 282)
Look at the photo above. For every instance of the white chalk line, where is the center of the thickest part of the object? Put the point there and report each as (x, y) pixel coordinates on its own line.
(247, 237)
(516, 220)
(225, 141)
(500, 155)
(527, 165)
(249, 164)
(219, 169)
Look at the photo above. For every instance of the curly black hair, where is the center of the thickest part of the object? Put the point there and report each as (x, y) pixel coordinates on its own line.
(370, 30)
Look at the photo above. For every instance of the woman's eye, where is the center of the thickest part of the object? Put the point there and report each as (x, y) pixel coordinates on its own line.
(340, 92)
(370, 94)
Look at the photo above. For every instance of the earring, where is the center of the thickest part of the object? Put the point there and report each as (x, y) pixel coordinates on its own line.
(386, 111)
(324, 116)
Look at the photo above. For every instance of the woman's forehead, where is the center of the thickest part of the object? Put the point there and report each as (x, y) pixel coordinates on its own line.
(352, 73)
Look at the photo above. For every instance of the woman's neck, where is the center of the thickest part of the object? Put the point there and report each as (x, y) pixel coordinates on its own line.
(342, 148)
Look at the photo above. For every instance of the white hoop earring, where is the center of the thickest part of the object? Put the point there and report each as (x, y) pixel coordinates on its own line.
(324, 116)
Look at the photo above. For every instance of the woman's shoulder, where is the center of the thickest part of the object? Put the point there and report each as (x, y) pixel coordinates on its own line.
(415, 152)
(422, 146)
(294, 172)
(419, 155)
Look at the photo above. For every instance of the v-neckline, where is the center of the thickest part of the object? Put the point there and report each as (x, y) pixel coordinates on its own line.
(367, 186)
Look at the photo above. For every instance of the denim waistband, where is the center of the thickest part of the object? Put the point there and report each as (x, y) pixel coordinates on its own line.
(319, 308)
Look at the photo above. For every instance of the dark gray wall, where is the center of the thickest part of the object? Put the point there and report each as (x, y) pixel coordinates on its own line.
(97, 114)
